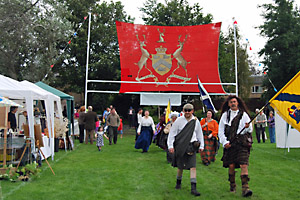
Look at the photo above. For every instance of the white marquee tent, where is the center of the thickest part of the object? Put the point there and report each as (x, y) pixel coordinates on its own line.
(284, 139)
(30, 92)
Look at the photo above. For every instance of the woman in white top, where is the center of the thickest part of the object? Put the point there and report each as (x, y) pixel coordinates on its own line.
(145, 131)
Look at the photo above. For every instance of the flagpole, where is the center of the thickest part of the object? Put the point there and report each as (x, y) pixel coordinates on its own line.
(235, 59)
(87, 61)
(201, 98)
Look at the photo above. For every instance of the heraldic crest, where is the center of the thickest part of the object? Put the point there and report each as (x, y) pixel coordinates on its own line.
(162, 61)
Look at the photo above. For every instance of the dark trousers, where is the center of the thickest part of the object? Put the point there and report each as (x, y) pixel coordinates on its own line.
(130, 118)
(81, 133)
(262, 133)
(257, 133)
(113, 133)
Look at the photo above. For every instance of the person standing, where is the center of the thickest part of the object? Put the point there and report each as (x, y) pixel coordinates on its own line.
(120, 128)
(255, 126)
(12, 122)
(90, 120)
(185, 139)
(105, 115)
(271, 122)
(131, 114)
(235, 135)
(261, 121)
(113, 122)
(137, 120)
(145, 131)
(81, 123)
(167, 129)
(210, 130)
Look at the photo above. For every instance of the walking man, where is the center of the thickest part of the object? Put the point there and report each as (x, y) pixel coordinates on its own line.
(185, 139)
(235, 135)
(90, 119)
(113, 122)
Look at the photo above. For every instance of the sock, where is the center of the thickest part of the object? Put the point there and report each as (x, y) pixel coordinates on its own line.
(179, 177)
(193, 180)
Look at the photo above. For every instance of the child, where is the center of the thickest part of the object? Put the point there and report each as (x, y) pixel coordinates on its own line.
(99, 136)
(120, 128)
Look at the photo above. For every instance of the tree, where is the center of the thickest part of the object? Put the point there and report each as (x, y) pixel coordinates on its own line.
(281, 52)
(104, 61)
(30, 34)
(227, 63)
(174, 13)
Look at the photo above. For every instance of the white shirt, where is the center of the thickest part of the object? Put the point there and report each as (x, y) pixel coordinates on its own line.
(178, 125)
(139, 117)
(223, 121)
(146, 122)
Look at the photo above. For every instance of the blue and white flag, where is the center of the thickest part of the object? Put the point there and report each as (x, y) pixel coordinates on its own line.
(205, 98)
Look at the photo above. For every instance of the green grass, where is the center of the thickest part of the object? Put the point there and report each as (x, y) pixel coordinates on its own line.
(122, 172)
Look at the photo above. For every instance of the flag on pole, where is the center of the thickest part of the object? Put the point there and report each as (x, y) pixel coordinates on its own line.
(287, 102)
(205, 98)
(168, 112)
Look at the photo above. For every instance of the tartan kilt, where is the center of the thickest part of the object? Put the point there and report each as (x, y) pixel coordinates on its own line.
(236, 154)
(184, 162)
(209, 152)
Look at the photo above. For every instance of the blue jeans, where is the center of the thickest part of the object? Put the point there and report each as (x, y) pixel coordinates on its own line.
(272, 134)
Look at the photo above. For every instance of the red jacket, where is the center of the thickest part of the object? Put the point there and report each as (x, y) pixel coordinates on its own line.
(120, 126)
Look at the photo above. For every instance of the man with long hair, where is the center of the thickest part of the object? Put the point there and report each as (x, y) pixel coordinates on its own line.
(235, 135)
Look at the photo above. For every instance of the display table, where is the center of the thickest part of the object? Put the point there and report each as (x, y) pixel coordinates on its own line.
(14, 149)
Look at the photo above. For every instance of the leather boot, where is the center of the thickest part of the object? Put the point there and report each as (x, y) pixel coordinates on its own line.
(194, 190)
(178, 184)
(246, 192)
(231, 179)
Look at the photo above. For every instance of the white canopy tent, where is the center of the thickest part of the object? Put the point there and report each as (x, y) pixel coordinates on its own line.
(49, 104)
(18, 90)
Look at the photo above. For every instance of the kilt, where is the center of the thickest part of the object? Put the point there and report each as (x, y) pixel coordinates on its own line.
(209, 153)
(237, 154)
(184, 162)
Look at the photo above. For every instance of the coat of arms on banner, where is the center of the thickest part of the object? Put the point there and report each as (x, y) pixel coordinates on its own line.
(162, 61)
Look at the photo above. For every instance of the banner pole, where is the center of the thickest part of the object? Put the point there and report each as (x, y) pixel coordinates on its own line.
(87, 61)
(235, 59)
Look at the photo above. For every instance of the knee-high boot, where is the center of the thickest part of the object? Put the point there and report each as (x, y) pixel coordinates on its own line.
(231, 179)
(194, 189)
(246, 192)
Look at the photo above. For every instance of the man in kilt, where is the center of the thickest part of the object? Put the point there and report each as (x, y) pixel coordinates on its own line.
(235, 135)
(185, 139)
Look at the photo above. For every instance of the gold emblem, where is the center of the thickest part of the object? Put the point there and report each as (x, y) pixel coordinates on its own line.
(161, 62)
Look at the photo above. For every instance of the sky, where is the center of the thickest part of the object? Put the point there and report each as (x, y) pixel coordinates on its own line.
(245, 12)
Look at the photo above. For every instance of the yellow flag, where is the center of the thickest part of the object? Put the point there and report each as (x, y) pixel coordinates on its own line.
(168, 111)
(287, 102)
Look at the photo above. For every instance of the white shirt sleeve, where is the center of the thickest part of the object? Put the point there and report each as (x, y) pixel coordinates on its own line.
(152, 124)
(199, 134)
(221, 134)
(172, 134)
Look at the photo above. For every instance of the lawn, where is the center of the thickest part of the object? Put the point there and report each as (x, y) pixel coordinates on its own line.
(122, 172)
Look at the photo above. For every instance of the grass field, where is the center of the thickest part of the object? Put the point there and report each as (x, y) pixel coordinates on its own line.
(122, 172)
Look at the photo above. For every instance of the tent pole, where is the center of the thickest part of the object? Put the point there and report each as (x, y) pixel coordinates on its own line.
(87, 61)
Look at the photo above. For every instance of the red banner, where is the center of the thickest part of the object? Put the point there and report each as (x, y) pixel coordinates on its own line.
(169, 54)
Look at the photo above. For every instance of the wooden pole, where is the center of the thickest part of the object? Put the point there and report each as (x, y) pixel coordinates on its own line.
(38, 145)
(22, 155)
(5, 137)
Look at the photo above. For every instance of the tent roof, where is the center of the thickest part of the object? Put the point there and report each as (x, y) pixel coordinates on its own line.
(57, 92)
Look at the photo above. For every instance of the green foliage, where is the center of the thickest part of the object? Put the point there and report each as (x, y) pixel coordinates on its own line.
(227, 63)
(173, 13)
(281, 52)
(30, 36)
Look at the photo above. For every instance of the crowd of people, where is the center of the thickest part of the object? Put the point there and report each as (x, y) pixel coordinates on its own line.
(183, 135)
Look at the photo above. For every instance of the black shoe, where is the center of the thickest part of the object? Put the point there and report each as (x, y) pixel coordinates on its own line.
(178, 184)
(110, 143)
(194, 190)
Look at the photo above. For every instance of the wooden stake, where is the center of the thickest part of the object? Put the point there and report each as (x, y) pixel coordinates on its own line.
(22, 155)
(45, 157)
